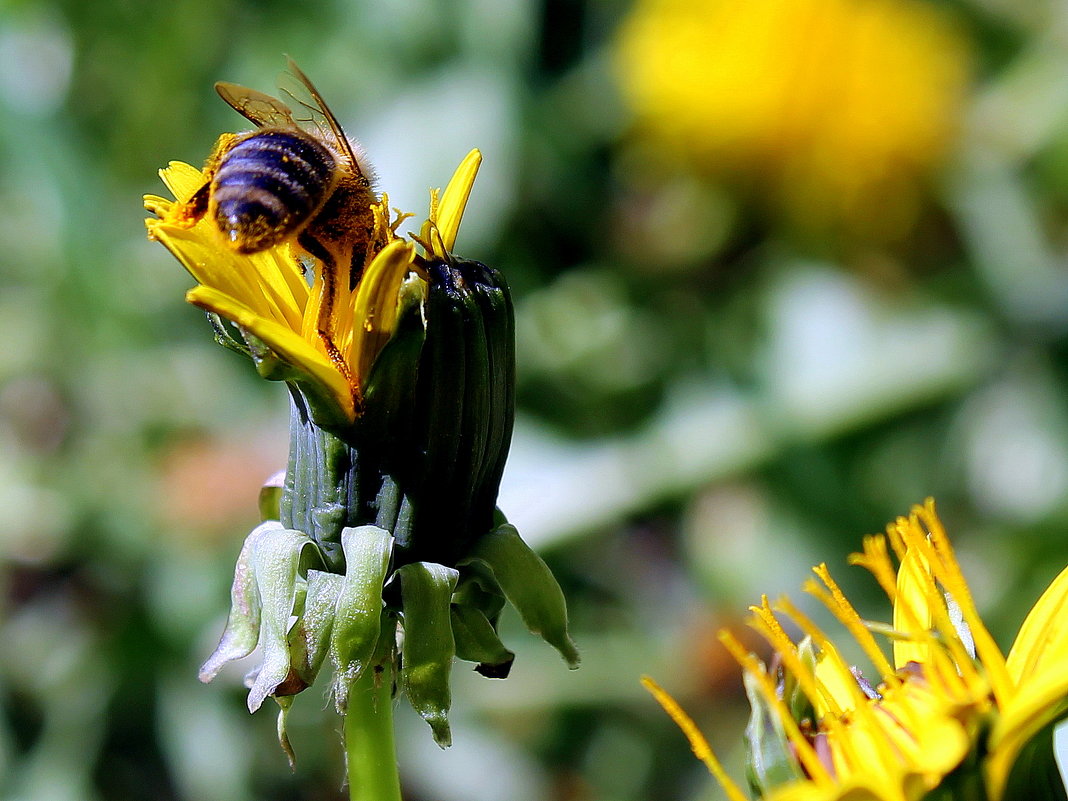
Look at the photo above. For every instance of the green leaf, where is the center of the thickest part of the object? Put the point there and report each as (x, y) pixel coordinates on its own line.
(428, 650)
(476, 641)
(529, 586)
(357, 615)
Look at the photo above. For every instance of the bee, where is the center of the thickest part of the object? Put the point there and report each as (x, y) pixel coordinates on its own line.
(297, 178)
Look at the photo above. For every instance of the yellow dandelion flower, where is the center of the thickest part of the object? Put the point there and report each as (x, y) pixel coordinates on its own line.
(840, 108)
(267, 295)
(948, 700)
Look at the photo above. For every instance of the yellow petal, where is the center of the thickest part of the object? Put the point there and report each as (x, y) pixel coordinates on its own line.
(286, 343)
(160, 206)
(912, 610)
(835, 682)
(856, 790)
(375, 306)
(1045, 629)
(268, 283)
(182, 179)
(454, 200)
(209, 264)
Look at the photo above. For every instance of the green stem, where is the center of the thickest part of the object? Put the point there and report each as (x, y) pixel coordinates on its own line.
(369, 747)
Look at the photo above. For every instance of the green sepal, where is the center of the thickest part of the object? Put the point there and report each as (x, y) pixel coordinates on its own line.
(270, 500)
(498, 316)
(224, 338)
(479, 590)
(309, 639)
(529, 586)
(285, 703)
(266, 591)
(358, 613)
(429, 647)
(322, 493)
(476, 641)
(242, 629)
(769, 758)
(278, 560)
(1034, 774)
(266, 361)
(795, 698)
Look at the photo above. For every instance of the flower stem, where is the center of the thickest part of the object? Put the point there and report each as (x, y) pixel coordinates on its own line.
(369, 746)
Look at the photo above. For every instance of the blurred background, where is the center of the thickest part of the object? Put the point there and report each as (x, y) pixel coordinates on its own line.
(782, 270)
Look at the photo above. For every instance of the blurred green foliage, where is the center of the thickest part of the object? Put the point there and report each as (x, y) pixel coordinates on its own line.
(709, 403)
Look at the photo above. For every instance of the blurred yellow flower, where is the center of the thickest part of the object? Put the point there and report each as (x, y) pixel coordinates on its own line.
(267, 294)
(838, 108)
(948, 702)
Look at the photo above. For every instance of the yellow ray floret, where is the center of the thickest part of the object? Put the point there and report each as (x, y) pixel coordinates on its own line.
(447, 208)
(268, 296)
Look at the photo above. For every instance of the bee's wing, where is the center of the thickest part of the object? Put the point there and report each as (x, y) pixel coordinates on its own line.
(264, 110)
(311, 112)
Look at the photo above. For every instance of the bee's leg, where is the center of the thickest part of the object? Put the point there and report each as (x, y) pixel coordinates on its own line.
(325, 322)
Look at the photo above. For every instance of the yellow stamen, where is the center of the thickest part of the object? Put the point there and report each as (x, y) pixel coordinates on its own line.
(847, 615)
(893, 532)
(953, 580)
(920, 545)
(701, 749)
(765, 623)
(858, 701)
(876, 560)
(908, 629)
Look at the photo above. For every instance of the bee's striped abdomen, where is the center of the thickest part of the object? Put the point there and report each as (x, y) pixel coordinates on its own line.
(269, 185)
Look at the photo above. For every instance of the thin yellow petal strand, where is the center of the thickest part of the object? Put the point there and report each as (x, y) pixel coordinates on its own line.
(876, 560)
(282, 282)
(845, 690)
(450, 210)
(842, 609)
(832, 673)
(917, 541)
(211, 265)
(1044, 630)
(834, 680)
(288, 344)
(810, 761)
(953, 580)
(908, 629)
(154, 204)
(765, 623)
(701, 749)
